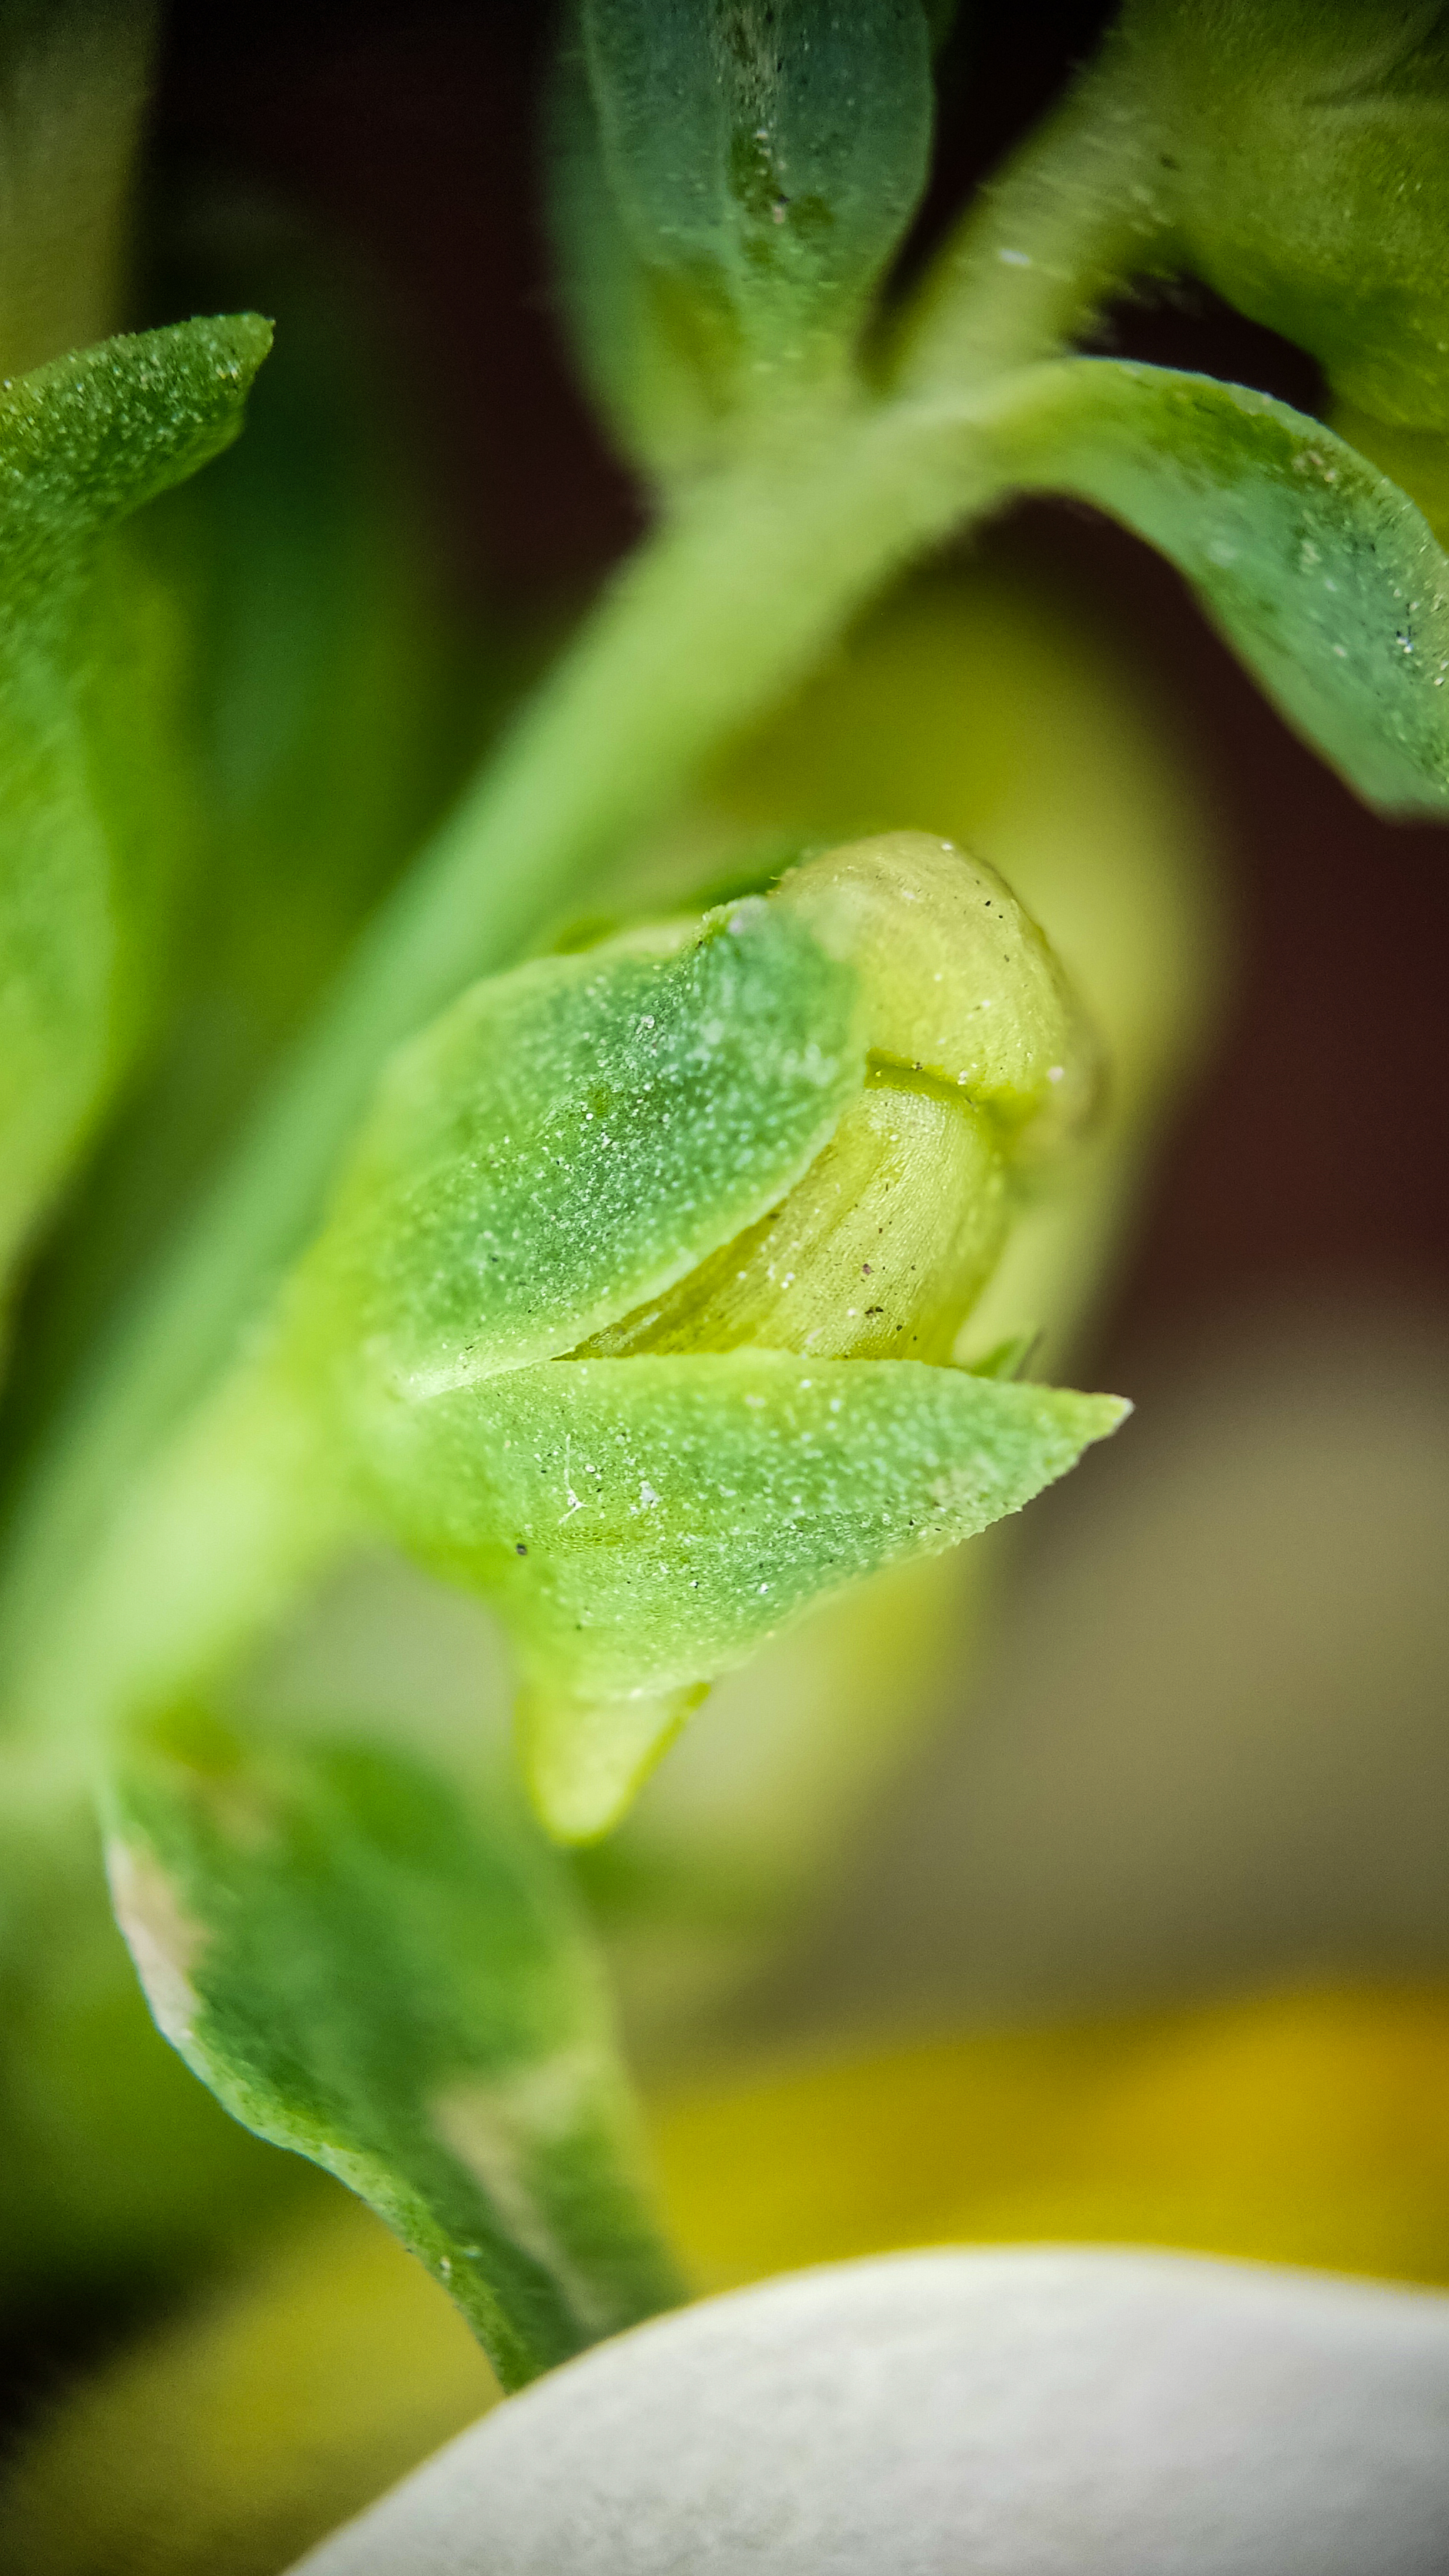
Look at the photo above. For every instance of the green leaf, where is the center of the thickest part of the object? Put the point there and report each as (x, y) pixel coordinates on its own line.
(87, 785)
(637, 361)
(1323, 577)
(573, 1136)
(645, 1523)
(394, 1983)
(1303, 165)
(87, 440)
(328, 707)
(764, 161)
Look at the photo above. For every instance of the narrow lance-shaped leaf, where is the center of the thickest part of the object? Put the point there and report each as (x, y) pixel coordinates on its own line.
(327, 709)
(86, 792)
(371, 1970)
(764, 162)
(1324, 578)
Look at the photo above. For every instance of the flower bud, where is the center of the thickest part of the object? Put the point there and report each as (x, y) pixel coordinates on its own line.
(640, 1298)
(972, 1044)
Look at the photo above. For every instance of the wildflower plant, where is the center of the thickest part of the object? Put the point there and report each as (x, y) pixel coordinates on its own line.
(625, 1279)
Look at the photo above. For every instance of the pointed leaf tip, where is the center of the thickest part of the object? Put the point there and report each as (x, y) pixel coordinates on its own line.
(644, 1524)
(88, 439)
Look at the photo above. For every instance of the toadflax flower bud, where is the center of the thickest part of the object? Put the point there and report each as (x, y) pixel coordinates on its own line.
(637, 1306)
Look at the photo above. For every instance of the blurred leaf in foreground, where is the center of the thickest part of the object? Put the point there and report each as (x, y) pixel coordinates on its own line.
(1303, 172)
(85, 791)
(369, 1969)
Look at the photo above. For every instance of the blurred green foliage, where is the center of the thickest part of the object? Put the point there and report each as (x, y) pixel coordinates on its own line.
(94, 795)
(1302, 172)
(463, 2082)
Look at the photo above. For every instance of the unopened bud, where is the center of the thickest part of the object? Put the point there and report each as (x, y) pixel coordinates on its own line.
(973, 1046)
(642, 1294)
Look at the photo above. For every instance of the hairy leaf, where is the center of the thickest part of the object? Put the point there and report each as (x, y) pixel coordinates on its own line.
(764, 162)
(87, 790)
(645, 1523)
(1322, 575)
(87, 440)
(327, 707)
(393, 1982)
(576, 1134)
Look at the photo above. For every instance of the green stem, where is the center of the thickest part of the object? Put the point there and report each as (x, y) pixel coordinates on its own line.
(1076, 213)
(245, 1506)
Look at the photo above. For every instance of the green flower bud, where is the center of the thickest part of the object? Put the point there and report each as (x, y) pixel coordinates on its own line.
(638, 1304)
(882, 1248)
(1302, 170)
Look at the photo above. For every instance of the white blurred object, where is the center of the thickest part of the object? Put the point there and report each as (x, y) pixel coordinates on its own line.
(1023, 2412)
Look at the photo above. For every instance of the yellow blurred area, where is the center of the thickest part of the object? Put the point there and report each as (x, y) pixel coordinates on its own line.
(1310, 2129)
